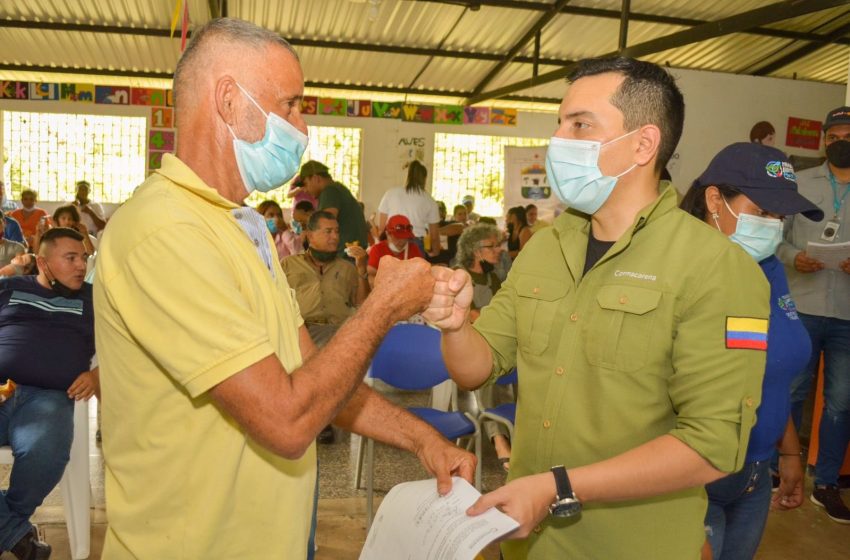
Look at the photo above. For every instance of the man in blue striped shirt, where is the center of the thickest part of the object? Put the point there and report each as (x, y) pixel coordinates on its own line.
(46, 348)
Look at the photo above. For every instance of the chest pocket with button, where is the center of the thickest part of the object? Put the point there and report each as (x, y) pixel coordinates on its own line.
(619, 327)
(539, 299)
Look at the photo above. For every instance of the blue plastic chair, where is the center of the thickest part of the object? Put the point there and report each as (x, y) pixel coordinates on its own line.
(504, 414)
(409, 358)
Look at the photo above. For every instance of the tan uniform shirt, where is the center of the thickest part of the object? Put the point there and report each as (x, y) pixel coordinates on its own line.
(326, 296)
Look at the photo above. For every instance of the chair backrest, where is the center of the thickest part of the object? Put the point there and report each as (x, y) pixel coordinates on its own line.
(409, 358)
(510, 379)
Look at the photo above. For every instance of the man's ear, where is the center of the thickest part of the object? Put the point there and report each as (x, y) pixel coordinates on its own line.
(225, 99)
(649, 142)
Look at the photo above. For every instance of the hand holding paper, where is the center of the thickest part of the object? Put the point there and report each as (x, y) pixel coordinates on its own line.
(416, 523)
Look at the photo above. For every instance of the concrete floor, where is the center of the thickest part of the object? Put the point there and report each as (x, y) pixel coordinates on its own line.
(802, 533)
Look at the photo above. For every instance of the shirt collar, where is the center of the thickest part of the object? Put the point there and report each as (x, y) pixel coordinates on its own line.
(571, 227)
(666, 201)
(182, 175)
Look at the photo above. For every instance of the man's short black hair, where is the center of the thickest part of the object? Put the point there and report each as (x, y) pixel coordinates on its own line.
(648, 95)
(49, 237)
(305, 206)
(313, 223)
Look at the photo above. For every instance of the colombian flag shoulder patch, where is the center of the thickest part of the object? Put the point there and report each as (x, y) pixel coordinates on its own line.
(746, 332)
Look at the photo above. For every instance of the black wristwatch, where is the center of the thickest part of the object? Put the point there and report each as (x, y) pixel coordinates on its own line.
(566, 504)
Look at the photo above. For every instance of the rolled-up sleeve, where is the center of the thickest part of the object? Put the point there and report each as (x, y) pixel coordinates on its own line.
(497, 324)
(715, 388)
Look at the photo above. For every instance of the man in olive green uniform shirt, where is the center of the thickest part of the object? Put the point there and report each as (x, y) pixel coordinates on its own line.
(624, 323)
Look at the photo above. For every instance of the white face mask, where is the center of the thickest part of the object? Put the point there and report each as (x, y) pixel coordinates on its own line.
(396, 248)
(758, 236)
(573, 170)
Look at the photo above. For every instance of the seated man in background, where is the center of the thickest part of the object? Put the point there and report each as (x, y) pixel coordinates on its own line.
(327, 288)
(6, 203)
(469, 203)
(334, 197)
(12, 229)
(91, 213)
(29, 215)
(399, 233)
(52, 312)
(450, 230)
(8, 249)
(301, 213)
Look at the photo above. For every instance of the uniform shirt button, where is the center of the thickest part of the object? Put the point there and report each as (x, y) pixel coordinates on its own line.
(559, 370)
(547, 424)
(538, 529)
(535, 291)
(574, 317)
(749, 402)
(624, 300)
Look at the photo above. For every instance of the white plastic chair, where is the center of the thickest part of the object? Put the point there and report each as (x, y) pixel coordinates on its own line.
(75, 484)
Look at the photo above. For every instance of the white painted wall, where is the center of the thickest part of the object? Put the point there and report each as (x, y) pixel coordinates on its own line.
(720, 109)
(381, 168)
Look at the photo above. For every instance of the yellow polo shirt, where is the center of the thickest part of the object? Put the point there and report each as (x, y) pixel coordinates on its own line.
(183, 301)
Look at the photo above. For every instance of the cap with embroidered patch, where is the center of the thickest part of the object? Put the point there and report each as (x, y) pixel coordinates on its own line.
(764, 175)
(839, 115)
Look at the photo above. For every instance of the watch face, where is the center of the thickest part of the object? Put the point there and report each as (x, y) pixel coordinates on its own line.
(565, 508)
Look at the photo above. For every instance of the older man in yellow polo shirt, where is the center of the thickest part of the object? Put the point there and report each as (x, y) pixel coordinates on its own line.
(212, 391)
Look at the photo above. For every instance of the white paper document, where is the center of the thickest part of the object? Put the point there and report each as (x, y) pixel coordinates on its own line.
(830, 254)
(415, 523)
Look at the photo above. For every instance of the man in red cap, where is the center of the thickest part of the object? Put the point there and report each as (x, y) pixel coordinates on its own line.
(399, 233)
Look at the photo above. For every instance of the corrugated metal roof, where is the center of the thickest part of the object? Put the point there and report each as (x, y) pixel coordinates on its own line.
(828, 64)
(405, 23)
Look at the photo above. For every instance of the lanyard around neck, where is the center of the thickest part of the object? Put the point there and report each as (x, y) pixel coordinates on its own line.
(836, 201)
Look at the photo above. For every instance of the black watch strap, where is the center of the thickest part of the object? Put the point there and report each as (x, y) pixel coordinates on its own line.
(562, 482)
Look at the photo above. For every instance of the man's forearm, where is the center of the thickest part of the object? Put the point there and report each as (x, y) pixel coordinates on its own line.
(468, 356)
(662, 465)
(332, 374)
(363, 288)
(285, 412)
(369, 414)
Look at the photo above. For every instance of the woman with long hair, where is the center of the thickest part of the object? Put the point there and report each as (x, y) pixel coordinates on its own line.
(286, 241)
(413, 201)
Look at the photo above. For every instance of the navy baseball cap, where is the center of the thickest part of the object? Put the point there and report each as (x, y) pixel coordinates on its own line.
(764, 175)
(839, 115)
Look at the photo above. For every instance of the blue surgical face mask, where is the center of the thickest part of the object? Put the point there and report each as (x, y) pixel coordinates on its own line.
(758, 236)
(272, 161)
(271, 223)
(573, 170)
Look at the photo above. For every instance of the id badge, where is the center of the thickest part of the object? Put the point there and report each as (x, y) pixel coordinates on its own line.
(830, 231)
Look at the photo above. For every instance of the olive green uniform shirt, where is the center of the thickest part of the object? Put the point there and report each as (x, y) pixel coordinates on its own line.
(326, 296)
(634, 350)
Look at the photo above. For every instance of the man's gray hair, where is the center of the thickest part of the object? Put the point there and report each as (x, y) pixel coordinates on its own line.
(470, 241)
(229, 30)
